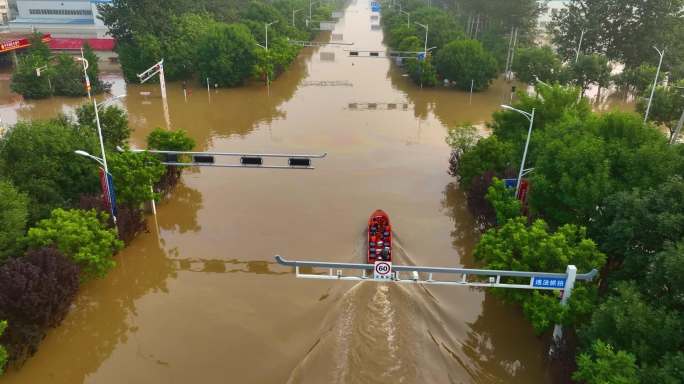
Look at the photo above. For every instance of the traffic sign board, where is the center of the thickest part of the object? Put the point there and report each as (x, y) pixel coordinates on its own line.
(548, 282)
(382, 270)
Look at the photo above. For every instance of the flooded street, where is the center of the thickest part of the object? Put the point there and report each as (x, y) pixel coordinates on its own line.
(200, 299)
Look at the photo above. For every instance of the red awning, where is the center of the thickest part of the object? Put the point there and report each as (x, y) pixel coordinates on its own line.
(76, 44)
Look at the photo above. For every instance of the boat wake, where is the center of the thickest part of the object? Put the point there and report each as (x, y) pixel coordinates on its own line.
(382, 333)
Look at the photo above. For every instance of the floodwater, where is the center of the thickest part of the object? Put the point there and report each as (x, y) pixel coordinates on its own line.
(200, 299)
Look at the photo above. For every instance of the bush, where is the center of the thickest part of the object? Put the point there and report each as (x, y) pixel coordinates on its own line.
(36, 292)
(82, 236)
(13, 218)
(466, 60)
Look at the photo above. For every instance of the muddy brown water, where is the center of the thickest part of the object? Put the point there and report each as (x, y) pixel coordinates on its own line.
(200, 299)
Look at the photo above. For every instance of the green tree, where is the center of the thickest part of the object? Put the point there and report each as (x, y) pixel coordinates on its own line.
(572, 174)
(629, 322)
(663, 281)
(38, 158)
(591, 69)
(3, 351)
(80, 235)
(138, 54)
(134, 173)
(422, 72)
(464, 61)
(25, 80)
(490, 154)
(515, 246)
(180, 48)
(624, 30)
(535, 63)
(165, 140)
(93, 70)
(635, 224)
(113, 121)
(13, 218)
(551, 104)
(637, 80)
(226, 54)
(667, 107)
(605, 366)
(68, 79)
(504, 201)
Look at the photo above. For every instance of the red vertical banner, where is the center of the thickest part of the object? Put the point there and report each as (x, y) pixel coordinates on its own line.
(105, 190)
(522, 194)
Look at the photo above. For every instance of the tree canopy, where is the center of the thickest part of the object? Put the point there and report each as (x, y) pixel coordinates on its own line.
(81, 236)
(464, 61)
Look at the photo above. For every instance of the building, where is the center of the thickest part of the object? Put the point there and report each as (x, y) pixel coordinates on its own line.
(61, 18)
(4, 12)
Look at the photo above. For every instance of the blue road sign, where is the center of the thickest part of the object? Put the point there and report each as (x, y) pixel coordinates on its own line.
(112, 194)
(510, 183)
(420, 56)
(548, 282)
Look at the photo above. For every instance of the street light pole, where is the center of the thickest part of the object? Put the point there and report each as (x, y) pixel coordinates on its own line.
(426, 36)
(85, 72)
(294, 11)
(530, 117)
(408, 18)
(655, 83)
(579, 46)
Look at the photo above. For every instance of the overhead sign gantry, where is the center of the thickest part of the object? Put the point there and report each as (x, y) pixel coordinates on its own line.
(244, 160)
(384, 271)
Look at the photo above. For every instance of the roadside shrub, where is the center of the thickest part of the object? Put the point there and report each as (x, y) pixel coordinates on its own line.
(36, 292)
(3, 352)
(82, 236)
(13, 217)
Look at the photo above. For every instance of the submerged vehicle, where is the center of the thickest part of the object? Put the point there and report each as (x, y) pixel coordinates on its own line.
(379, 237)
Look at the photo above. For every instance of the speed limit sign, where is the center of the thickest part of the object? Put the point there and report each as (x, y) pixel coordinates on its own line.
(382, 271)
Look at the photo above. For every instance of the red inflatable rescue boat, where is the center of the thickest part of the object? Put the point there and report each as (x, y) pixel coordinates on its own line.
(379, 237)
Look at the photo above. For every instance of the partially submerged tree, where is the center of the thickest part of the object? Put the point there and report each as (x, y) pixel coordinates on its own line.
(467, 63)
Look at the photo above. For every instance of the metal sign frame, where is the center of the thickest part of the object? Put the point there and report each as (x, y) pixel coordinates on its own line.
(418, 274)
(247, 160)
